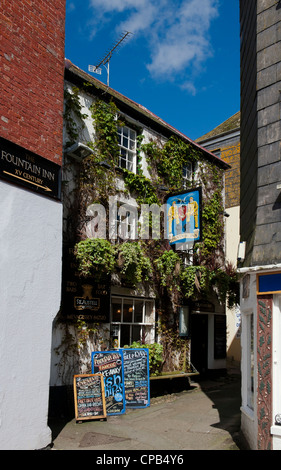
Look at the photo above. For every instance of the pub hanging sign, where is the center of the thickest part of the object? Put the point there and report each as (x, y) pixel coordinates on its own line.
(22, 167)
(184, 217)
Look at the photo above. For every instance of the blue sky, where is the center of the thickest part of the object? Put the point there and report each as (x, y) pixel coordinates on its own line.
(182, 60)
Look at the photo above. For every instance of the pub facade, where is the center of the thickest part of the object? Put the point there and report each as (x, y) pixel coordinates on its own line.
(143, 238)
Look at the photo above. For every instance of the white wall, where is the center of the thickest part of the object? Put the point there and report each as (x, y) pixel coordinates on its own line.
(30, 291)
(249, 425)
(232, 229)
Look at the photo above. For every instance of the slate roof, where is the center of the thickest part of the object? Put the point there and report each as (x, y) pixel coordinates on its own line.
(229, 125)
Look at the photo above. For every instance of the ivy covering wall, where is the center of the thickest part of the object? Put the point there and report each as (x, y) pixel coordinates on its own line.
(151, 261)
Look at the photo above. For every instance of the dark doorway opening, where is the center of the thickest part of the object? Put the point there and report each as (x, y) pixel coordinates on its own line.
(199, 342)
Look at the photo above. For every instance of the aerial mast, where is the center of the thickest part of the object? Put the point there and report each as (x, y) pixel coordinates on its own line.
(106, 60)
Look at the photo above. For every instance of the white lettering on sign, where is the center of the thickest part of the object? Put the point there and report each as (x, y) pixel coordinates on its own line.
(27, 165)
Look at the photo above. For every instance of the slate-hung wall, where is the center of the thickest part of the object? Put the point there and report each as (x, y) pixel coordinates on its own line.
(32, 68)
(260, 106)
(261, 222)
(268, 243)
(248, 186)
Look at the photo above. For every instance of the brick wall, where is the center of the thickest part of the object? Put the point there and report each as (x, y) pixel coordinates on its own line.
(32, 74)
(231, 155)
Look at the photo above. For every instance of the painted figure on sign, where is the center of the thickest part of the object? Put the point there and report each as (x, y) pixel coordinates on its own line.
(193, 211)
(173, 215)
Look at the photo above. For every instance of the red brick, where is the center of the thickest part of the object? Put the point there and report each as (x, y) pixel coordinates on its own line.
(32, 67)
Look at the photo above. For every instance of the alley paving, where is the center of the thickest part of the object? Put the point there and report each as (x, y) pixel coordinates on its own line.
(203, 416)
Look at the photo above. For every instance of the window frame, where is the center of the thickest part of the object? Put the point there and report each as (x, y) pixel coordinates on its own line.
(184, 321)
(116, 326)
(126, 223)
(130, 165)
(189, 170)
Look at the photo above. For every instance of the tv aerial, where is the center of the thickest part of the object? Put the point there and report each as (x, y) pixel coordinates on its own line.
(106, 59)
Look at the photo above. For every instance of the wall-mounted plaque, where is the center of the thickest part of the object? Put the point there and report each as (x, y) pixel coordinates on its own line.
(85, 298)
(22, 167)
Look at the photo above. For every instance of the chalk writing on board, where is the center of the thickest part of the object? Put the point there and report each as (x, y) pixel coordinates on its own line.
(110, 365)
(89, 398)
(136, 377)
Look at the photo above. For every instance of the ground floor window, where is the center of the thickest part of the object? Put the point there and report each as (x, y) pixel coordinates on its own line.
(132, 319)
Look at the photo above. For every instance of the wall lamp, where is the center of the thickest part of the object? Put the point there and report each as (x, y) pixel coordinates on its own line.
(241, 251)
(78, 151)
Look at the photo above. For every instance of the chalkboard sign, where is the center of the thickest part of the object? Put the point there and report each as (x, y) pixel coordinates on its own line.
(136, 377)
(89, 398)
(110, 365)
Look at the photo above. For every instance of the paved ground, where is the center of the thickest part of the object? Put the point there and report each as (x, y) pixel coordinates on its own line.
(204, 416)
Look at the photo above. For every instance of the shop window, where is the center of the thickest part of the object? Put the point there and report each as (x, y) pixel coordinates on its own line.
(132, 320)
(127, 140)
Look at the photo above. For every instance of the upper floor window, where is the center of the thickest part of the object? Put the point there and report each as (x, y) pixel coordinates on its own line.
(189, 170)
(127, 140)
(187, 174)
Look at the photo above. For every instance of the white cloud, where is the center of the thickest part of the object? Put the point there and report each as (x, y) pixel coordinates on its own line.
(190, 87)
(176, 31)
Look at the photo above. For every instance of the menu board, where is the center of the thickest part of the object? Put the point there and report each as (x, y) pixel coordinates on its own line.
(89, 398)
(136, 377)
(110, 365)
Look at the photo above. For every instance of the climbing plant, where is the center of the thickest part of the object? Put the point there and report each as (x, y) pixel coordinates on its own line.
(168, 266)
(133, 262)
(165, 163)
(73, 116)
(95, 256)
(201, 281)
(166, 160)
(153, 261)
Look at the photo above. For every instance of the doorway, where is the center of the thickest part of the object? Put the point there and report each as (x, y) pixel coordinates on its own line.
(199, 342)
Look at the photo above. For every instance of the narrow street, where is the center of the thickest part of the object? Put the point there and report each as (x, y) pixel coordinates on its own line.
(204, 416)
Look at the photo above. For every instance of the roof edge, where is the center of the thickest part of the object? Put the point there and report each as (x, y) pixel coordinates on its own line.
(76, 71)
